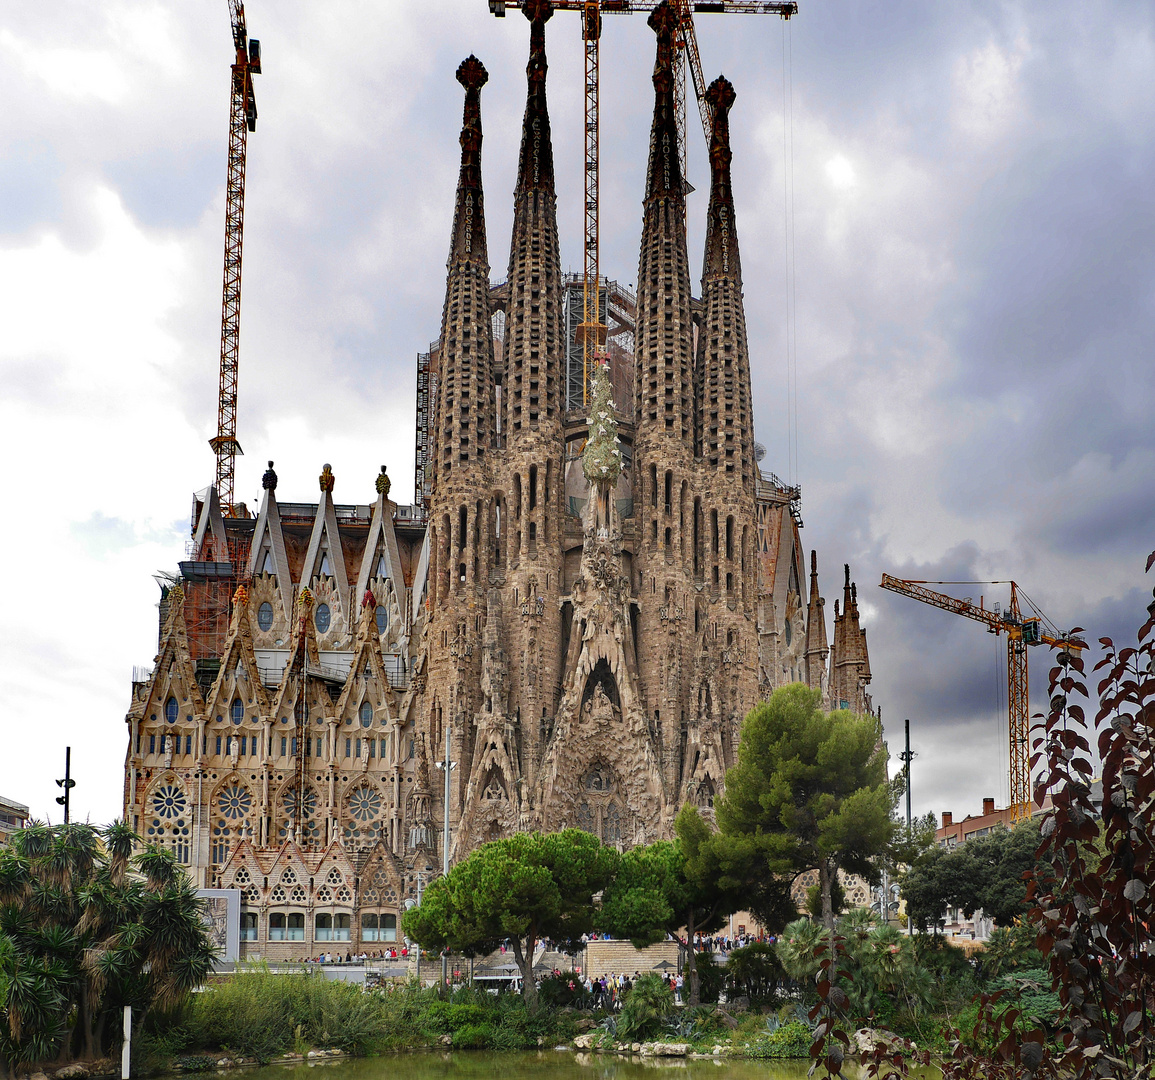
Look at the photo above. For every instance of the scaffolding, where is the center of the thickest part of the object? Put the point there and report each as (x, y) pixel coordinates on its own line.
(617, 310)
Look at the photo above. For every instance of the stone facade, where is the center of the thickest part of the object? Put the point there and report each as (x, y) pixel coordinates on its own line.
(593, 601)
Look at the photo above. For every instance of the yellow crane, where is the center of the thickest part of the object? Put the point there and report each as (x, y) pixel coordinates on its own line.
(1021, 632)
(592, 331)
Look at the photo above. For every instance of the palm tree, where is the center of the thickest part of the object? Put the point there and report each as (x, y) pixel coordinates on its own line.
(86, 927)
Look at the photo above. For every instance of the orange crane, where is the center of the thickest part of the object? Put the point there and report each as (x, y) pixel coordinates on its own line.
(1020, 632)
(592, 331)
(242, 120)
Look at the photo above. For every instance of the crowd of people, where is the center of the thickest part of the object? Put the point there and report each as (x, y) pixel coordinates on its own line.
(610, 990)
(361, 957)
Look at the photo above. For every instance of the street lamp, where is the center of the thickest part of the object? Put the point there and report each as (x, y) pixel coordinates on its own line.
(447, 765)
(67, 783)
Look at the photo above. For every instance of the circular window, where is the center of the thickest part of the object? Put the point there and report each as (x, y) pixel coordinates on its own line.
(364, 804)
(321, 618)
(265, 616)
(170, 710)
(169, 801)
(382, 618)
(366, 714)
(235, 802)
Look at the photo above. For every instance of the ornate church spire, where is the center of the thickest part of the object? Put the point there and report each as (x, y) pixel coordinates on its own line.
(465, 418)
(468, 243)
(533, 367)
(724, 421)
(535, 166)
(817, 648)
(663, 348)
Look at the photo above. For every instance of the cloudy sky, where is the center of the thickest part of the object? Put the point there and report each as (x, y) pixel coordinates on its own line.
(972, 284)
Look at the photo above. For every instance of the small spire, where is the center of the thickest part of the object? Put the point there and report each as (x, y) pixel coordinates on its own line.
(269, 480)
(326, 479)
(535, 167)
(383, 483)
(469, 242)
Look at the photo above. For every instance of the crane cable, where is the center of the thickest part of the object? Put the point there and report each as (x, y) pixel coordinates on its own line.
(791, 291)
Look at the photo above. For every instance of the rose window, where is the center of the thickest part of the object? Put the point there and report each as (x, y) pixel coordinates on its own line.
(235, 802)
(334, 877)
(310, 802)
(169, 802)
(364, 804)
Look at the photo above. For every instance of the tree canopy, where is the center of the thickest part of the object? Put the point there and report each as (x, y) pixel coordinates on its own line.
(986, 872)
(86, 927)
(812, 787)
(526, 887)
(693, 882)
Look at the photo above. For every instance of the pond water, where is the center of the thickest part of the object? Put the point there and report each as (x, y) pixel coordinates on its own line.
(540, 1065)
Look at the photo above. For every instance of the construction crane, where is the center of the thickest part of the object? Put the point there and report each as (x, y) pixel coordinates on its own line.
(592, 330)
(1021, 632)
(242, 120)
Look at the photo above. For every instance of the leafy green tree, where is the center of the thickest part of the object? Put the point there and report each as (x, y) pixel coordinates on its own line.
(526, 887)
(997, 863)
(813, 786)
(984, 873)
(691, 883)
(929, 887)
(86, 927)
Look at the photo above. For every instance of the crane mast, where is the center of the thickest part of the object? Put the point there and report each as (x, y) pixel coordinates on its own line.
(242, 120)
(1020, 633)
(592, 331)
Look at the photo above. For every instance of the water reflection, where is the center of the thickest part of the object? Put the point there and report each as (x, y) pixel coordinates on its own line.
(544, 1065)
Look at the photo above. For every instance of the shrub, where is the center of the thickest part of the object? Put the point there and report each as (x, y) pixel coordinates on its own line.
(563, 991)
(710, 978)
(649, 1001)
(756, 972)
(474, 1037)
(791, 1040)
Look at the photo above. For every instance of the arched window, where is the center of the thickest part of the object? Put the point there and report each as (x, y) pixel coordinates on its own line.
(324, 928)
(265, 616)
(321, 618)
(366, 714)
(170, 710)
(237, 711)
(369, 928)
(296, 928)
(249, 926)
(277, 921)
(382, 618)
(267, 567)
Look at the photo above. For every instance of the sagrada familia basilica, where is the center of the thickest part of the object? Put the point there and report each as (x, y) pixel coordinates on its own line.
(571, 622)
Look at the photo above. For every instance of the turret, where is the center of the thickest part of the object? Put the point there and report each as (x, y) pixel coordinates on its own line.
(817, 649)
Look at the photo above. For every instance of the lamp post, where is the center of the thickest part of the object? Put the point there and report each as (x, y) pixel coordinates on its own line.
(447, 765)
(67, 783)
